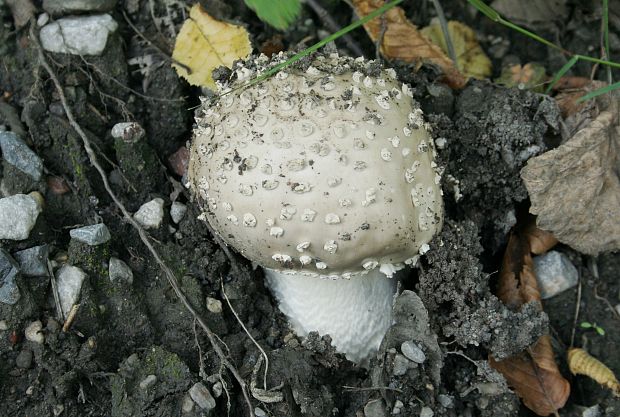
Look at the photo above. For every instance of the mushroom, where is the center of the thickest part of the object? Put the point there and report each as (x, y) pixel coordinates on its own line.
(324, 176)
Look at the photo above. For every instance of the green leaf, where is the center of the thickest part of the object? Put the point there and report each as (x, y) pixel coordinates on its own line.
(277, 13)
(586, 325)
(562, 71)
(600, 331)
(598, 92)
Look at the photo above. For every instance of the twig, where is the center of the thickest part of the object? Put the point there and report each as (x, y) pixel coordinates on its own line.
(248, 333)
(333, 26)
(143, 235)
(359, 389)
(572, 336)
(164, 54)
(70, 318)
(606, 301)
(59, 313)
(444, 28)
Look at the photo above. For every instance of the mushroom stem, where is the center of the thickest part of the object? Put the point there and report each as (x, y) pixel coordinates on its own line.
(355, 312)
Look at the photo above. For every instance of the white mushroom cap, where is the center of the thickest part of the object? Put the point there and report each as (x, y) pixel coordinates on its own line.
(327, 171)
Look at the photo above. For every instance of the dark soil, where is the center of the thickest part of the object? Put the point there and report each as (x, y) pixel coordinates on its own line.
(125, 333)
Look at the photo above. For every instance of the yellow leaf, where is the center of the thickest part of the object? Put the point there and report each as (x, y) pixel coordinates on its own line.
(471, 59)
(204, 44)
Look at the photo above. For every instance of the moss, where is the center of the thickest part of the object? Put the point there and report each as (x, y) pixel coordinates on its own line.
(92, 259)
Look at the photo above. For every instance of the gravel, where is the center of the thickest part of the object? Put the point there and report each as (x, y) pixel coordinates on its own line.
(18, 215)
(93, 235)
(555, 273)
(9, 269)
(78, 35)
(17, 153)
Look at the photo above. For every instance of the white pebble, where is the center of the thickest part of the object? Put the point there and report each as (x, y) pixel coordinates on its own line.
(151, 214)
(555, 273)
(33, 332)
(78, 35)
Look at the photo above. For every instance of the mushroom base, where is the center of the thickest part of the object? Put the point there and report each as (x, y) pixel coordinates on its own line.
(355, 312)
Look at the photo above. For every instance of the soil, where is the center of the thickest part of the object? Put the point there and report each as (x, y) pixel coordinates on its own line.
(125, 333)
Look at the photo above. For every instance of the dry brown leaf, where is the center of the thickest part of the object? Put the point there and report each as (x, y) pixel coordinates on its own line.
(532, 374)
(581, 362)
(540, 241)
(535, 378)
(575, 188)
(470, 58)
(404, 42)
(204, 44)
(517, 281)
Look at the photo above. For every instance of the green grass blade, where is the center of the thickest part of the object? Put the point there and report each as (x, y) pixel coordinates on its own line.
(488, 11)
(603, 90)
(322, 43)
(561, 72)
(277, 13)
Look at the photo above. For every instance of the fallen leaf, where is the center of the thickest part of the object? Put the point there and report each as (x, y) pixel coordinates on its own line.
(533, 374)
(529, 76)
(517, 284)
(535, 378)
(568, 91)
(402, 40)
(535, 14)
(470, 58)
(540, 241)
(575, 189)
(204, 44)
(582, 363)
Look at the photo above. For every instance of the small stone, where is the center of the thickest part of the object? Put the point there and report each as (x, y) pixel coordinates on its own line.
(129, 132)
(374, 408)
(401, 365)
(201, 396)
(151, 214)
(119, 271)
(18, 215)
(60, 7)
(259, 412)
(426, 412)
(412, 352)
(17, 153)
(24, 359)
(58, 409)
(92, 235)
(177, 211)
(179, 160)
(33, 332)
(187, 405)
(594, 411)
(78, 35)
(148, 382)
(555, 273)
(69, 281)
(217, 389)
(9, 269)
(398, 406)
(3, 325)
(33, 261)
(214, 305)
(446, 401)
(43, 19)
